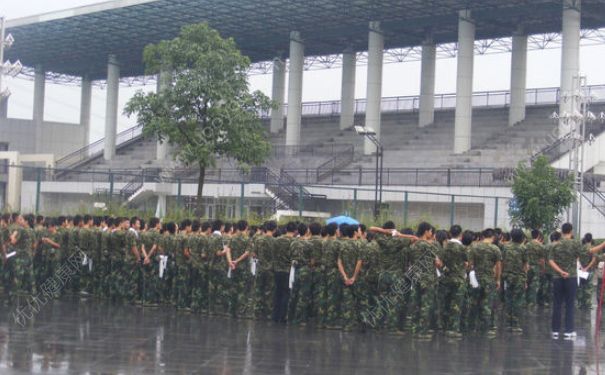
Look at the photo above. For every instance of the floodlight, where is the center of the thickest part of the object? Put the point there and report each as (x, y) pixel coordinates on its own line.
(590, 116)
(362, 130)
(9, 40)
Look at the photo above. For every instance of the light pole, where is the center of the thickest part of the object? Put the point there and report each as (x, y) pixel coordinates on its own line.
(576, 121)
(370, 134)
(7, 67)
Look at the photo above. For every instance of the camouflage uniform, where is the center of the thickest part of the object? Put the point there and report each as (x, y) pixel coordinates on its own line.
(370, 272)
(331, 290)
(182, 286)
(88, 245)
(354, 301)
(585, 289)
(390, 270)
(599, 271)
(3, 243)
(198, 245)
(97, 264)
(131, 271)
(535, 257)
(453, 289)
(39, 259)
(424, 278)
(282, 261)
(121, 277)
(565, 254)
(105, 264)
(301, 300)
(265, 283)
(20, 267)
(514, 259)
(73, 247)
(317, 274)
(545, 281)
(218, 301)
(239, 285)
(483, 257)
(151, 279)
(169, 246)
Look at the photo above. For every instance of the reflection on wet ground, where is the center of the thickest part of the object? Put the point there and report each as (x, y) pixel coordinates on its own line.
(76, 337)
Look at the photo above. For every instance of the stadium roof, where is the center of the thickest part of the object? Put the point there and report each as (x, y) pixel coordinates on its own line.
(77, 41)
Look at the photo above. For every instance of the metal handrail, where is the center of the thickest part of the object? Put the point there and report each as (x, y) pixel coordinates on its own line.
(563, 145)
(498, 98)
(338, 161)
(96, 148)
(598, 198)
(555, 149)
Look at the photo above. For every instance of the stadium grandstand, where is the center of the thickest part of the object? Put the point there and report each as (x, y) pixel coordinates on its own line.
(448, 156)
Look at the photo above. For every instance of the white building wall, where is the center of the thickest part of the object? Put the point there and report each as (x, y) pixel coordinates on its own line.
(58, 138)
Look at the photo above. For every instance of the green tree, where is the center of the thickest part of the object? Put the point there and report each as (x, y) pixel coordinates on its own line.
(540, 195)
(206, 109)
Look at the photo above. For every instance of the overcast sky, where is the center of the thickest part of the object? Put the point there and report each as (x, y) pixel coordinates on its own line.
(492, 72)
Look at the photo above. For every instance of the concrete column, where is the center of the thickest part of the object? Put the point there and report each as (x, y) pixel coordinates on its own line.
(162, 148)
(518, 79)
(3, 108)
(111, 109)
(278, 92)
(374, 82)
(426, 107)
(347, 91)
(160, 209)
(38, 109)
(85, 104)
(570, 57)
(295, 82)
(15, 177)
(464, 83)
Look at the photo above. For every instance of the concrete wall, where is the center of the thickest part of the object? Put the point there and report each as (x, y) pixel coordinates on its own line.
(59, 139)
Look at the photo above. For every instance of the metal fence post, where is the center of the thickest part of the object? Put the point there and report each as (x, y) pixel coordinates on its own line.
(354, 202)
(38, 183)
(405, 209)
(496, 213)
(241, 201)
(453, 210)
(178, 193)
(110, 185)
(300, 200)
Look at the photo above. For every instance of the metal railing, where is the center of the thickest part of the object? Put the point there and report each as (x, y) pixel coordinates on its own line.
(96, 148)
(538, 96)
(336, 162)
(541, 96)
(594, 196)
(478, 177)
(555, 150)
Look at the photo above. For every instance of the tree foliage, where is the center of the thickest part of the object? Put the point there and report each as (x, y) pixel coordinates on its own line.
(206, 109)
(540, 195)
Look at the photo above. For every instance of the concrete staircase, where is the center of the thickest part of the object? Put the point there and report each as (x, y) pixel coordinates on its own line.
(494, 144)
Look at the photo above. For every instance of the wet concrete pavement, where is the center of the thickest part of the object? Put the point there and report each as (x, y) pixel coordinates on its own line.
(89, 337)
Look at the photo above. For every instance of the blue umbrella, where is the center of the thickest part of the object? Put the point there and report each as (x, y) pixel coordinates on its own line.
(342, 220)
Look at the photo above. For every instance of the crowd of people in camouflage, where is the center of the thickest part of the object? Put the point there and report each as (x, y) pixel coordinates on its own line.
(335, 277)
